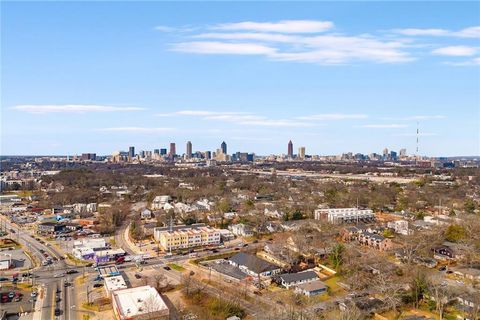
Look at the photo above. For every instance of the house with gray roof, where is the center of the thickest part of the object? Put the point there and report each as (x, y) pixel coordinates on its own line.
(253, 265)
(293, 279)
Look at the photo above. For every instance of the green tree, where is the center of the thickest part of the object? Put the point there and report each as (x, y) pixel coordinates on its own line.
(454, 233)
(336, 256)
(469, 206)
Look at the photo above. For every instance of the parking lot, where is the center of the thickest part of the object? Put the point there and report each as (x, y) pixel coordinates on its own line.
(15, 300)
(222, 266)
(19, 259)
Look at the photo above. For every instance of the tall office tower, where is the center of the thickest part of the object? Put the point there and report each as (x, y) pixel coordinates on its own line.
(173, 150)
(189, 150)
(403, 152)
(142, 154)
(385, 152)
(163, 152)
(156, 151)
(290, 149)
(223, 146)
(131, 152)
(301, 152)
(208, 155)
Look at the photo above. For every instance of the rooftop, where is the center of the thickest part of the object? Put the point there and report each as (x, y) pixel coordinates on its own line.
(137, 301)
(253, 263)
(300, 276)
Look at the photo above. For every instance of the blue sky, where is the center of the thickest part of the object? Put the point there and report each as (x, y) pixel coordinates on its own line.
(333, 77)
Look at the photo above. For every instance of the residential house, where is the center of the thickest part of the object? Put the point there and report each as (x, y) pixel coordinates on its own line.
(241, 230)
(311, 288)
(289, 280)
(146, 214)
(253, 265)
(160, 201)
(375, 241)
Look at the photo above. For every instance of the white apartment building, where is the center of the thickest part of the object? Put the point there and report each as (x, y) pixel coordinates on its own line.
(342, 215)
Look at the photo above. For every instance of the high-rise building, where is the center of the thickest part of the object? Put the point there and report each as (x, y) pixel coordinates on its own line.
(142, 154)
(189, 150)
(224, 147)
(173, 150)
(163, 152)
(301, 152)
(208, 155)
(89, 156)
(290, 149)
(403, 152)
(156, 151)
(131, 152)
(385, 152)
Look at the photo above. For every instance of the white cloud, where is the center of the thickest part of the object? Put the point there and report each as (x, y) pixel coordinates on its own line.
(422, 32)
(72, 108)
(414, 134)
(216, 47)
(135, 129)
(164, 28)
(456, 51)
(284, 26)
(425, 117)
(384, 126)
(325, 49)
(243, 118)
(333, 116)
(470, 32)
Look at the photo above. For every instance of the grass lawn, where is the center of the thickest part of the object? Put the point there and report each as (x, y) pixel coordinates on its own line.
(176, 267)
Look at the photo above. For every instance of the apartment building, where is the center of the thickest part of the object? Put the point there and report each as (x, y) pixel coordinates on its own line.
(345, 215)
(181, 237)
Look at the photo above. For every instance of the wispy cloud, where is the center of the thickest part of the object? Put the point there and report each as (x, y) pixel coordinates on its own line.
(216, 47)
(414, 118)
(284, 26)
(72, 108)
(294, 40)
(456, 51)
(414, 134)
(332, 116)
(135, 129)
(313, 41)
(383, 126)
(241, 118)
(470, 32)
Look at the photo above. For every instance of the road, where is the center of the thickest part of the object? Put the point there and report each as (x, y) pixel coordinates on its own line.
(44, 275)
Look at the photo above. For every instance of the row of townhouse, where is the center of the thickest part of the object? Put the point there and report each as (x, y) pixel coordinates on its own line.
(181, 237)
(368, 237)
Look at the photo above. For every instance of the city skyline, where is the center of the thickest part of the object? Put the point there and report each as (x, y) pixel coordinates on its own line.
(308, 73)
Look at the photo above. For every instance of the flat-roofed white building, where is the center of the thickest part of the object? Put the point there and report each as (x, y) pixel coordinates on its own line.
(114, 283)
(139, 303)
(342, 215)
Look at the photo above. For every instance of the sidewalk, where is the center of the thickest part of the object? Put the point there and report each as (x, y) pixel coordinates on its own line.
(37, 313)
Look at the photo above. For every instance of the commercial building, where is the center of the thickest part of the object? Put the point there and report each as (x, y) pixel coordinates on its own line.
(114, 283)
(344, 215)
(173, 150)
(89, 156)
(301, 152)
(131, 152)
(139, 303)
(181, 237)
(290, 149)
(223, 146)
(188, 153)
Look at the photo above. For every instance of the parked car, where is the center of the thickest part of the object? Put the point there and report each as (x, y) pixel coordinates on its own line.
(98, 285)
(167, 268)
(138, 276)
(72, 271)
(33, 294)
(57, 312)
